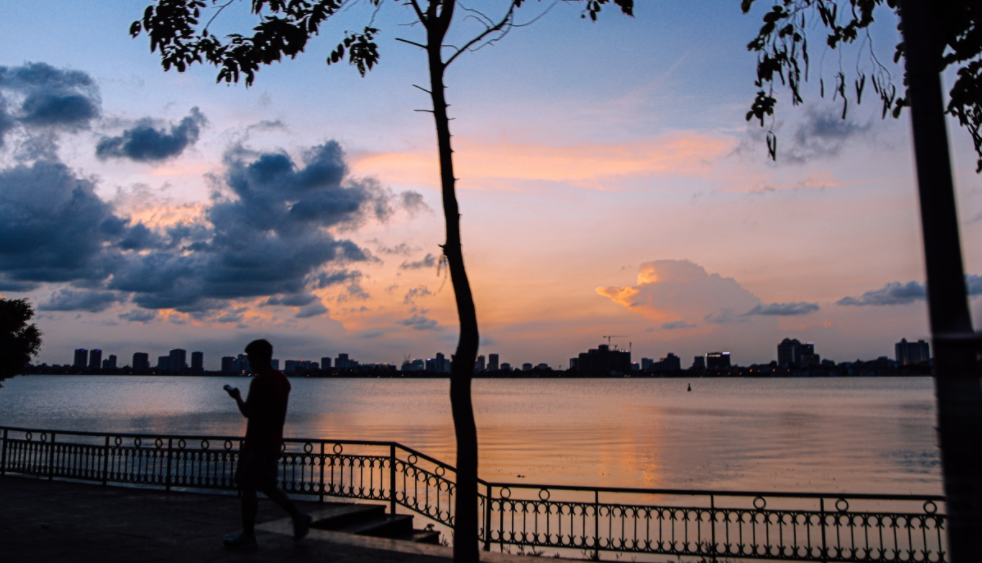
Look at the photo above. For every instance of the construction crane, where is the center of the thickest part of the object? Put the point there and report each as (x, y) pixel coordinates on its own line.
(613, 336)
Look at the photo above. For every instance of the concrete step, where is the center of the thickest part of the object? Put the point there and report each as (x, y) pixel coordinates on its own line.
(385, 526)
(336, 514)
(420, 536)
(370, 520)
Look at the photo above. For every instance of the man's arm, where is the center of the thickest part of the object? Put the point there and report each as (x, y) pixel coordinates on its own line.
(244, 407)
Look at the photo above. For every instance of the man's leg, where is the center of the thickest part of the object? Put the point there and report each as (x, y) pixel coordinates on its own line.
(250, 507)
(301, 521)
(247, 539)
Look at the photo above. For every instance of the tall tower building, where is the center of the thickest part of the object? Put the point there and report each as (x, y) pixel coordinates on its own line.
(479, 365)
(95, 359)
(493, 362)
(197, 362)
(178, 359)
(141, 361)
(81, 358)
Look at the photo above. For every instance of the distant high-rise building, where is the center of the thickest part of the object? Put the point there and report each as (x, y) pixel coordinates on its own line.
(110, 362)
(787, 352)
(506, 367)
(95, 359)
(344, 362)
(604, 360)
(178, 360)
(479, 364)
(81, 358)
(242, 364)
(163, 363)
(276, 363)
(717, 360)
(573, 362)
(792, 353)
(492, 362)
(325, 363)
(671, 362)
(228, 364)
(698, 363)
(197, 362)
(141, 361)
(912, 352)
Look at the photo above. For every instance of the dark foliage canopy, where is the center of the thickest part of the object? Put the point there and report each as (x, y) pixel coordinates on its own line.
(783, 54)
(285, 27)
(19, 341)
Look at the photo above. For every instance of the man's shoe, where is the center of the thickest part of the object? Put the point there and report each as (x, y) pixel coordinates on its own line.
(301, 526)
(241, 542)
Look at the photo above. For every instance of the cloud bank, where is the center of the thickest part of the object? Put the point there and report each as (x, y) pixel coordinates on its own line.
(897, 293)
(146, 143)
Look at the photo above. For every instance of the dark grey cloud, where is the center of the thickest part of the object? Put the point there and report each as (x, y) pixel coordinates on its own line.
(428, 261)
(142, 316)
(897, 293)
(823, 134)
(298, 300)
(91, 301)
(415, 293)
(40, 96)
(419, 322)
(783, 309)
(53, 227)
(401, 249)
(147, 143)
(413, 202)
(312, 310)
(327, 279)
(675, 325)
(269, 233)
(270, 238)
(893, 293)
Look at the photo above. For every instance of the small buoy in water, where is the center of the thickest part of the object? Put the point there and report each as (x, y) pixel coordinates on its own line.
(690, 387)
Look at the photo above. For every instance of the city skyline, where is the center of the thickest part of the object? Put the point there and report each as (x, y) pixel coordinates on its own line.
(609, 185)
(790, 353)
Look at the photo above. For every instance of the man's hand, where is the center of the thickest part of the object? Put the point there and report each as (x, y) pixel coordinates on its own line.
(233, 392)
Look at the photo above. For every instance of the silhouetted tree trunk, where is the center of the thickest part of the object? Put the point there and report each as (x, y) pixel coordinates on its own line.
(465, 548)
(956, 367)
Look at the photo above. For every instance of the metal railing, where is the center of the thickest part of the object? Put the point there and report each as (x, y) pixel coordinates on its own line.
(589, 521)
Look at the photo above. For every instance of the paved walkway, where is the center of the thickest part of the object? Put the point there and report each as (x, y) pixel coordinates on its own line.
(44, 520)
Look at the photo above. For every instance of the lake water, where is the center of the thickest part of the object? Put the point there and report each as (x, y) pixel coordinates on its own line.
(855, 435)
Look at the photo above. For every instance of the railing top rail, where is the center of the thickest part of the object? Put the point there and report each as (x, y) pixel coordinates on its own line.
(501, 485)
(719, 493)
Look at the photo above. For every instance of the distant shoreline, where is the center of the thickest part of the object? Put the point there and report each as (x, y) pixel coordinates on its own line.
(925, 371)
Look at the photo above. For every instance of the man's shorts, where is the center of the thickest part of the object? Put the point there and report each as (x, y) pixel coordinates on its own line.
(257, 471)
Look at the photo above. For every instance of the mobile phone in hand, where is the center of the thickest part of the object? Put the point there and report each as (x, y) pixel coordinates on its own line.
(228, 388)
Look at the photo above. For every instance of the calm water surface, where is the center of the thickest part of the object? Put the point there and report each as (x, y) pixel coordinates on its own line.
(835, 435)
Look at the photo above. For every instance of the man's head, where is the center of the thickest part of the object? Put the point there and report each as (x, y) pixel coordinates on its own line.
(260, 354)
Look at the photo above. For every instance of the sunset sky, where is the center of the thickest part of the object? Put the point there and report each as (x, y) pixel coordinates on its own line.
(609, 185)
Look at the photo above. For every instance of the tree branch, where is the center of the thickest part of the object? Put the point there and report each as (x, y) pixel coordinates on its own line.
(413, 43)
(419, 12)
(480, 37)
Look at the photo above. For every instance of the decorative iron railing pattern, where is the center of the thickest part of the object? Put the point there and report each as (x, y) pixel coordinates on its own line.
(569, 520)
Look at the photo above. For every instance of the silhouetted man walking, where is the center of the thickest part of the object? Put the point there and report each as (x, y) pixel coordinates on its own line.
(258, 467)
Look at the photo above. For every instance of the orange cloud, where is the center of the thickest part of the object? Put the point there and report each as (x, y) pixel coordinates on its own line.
(589, 165)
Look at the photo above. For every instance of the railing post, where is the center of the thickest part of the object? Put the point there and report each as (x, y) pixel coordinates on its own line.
(105, 462)
(487, 520)
(392, 478)
(3, 456)
(596, 525)
(821, 510)
(322, 472)
(712, 516)
(170, 454)
(51, 458)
